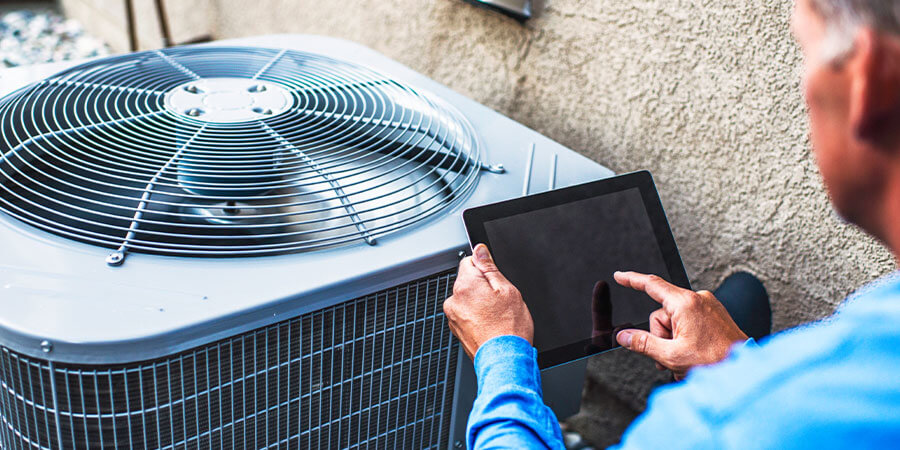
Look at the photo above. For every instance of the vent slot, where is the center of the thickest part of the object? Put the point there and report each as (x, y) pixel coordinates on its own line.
(376, 371)
(215, 151)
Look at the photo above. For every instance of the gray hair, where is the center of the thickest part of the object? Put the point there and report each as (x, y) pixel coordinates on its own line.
(843, 18)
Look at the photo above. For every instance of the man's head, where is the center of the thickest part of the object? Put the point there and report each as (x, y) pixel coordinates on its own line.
(852, 86)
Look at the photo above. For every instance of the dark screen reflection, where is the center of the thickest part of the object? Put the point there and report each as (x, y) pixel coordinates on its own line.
(562, 259)
(602, 331)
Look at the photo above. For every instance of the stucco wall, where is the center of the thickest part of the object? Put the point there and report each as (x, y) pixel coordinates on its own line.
(703, 94)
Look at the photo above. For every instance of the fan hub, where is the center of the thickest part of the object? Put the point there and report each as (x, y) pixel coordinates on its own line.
(228, 100)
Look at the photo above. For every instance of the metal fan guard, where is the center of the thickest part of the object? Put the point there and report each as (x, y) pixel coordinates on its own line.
(229, 151)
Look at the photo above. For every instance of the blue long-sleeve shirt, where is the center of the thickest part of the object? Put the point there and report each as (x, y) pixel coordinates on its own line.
(835, 384)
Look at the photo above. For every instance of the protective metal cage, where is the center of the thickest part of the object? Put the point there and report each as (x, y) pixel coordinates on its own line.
(229, 151)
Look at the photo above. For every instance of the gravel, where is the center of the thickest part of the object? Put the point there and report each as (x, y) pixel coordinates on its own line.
(28, 37)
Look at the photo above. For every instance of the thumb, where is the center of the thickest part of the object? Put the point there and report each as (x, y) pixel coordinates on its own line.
(485, 263)
(644, 343)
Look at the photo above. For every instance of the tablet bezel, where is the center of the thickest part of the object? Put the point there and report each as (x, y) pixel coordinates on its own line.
(475, 218)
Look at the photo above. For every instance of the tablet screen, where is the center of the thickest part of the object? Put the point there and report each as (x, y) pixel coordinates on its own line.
(562, 257)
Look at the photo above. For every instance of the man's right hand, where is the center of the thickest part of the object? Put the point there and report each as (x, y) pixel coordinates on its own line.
(691, 328)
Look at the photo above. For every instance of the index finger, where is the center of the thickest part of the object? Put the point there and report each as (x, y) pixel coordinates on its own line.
(660, 290)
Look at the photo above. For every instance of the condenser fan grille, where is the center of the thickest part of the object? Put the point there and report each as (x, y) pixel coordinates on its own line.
(213, 151)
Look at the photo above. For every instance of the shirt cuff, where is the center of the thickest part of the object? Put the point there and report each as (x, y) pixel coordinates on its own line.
(507, 360)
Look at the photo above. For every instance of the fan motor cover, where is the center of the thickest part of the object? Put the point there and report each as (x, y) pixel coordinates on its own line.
(229, 151)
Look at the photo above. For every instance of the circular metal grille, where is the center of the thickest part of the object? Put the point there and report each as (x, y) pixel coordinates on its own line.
(214, 151)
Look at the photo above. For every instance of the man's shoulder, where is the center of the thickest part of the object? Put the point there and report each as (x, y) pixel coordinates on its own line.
(864, 335)
(864, 331)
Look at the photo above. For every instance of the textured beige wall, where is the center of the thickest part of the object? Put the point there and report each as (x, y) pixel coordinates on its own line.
(703, 94)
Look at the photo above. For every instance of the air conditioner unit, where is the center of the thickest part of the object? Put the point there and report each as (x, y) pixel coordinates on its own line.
(246, 244)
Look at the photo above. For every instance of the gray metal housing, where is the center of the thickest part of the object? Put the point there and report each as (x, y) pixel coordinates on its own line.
(62, 303)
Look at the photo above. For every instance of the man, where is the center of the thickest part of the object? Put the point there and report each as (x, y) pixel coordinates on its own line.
(835, 384)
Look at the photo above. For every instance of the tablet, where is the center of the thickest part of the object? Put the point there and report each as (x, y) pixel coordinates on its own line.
(560, 249)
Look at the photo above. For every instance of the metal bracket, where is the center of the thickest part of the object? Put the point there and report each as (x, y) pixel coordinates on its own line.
(493, 168)
(115, 258)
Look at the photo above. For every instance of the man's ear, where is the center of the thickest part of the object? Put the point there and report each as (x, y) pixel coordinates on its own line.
(875, 89)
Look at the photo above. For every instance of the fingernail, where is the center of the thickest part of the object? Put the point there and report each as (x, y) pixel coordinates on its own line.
(624, 338)
(482, 253)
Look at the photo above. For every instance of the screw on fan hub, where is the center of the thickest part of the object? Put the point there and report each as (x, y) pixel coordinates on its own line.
(228, 100)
